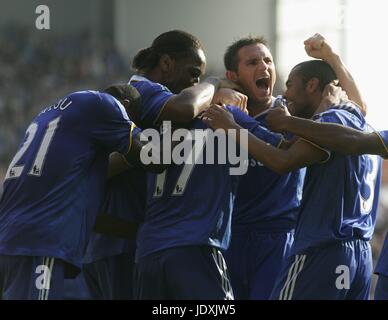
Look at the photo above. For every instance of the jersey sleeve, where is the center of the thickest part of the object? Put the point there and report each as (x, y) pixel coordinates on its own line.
(154, 97)
(255, 128)
(383, 135)
(331, 116)
(112, 130)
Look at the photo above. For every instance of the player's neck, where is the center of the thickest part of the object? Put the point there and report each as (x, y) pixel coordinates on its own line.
(315, 106)
(256, 108)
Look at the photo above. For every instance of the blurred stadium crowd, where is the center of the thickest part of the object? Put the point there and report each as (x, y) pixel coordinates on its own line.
(35, 71)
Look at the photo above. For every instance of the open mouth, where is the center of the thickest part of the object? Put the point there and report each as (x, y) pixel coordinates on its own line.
(263, 83)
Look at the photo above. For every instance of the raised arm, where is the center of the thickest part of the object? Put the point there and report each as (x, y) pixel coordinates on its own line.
(317, 47)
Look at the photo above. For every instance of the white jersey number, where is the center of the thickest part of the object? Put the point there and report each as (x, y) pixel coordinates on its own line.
(180, 185)
(15, 170)
(370, 180)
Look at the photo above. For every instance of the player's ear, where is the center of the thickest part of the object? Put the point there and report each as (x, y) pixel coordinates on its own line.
(312, 85)
(166, 63)
(126, 103)
(231, 75)
(132, 109)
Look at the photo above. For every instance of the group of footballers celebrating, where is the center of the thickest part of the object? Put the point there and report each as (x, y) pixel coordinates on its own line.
(78, 197)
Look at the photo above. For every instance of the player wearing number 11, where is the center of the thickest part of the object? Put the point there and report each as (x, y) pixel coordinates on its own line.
(53, 188)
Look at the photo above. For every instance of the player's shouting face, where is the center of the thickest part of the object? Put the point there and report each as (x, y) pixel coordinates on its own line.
(256, 72)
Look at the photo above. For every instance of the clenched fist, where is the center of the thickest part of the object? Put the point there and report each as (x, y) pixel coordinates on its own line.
(277, 117)
(317, 47)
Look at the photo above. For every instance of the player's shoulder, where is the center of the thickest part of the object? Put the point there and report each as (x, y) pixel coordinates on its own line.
(101, 104)
(95, 97)
(144, 85)
(87, 97)
(84, 95)
(346, 113)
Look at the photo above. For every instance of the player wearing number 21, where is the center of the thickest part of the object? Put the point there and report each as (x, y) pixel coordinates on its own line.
(53, 188)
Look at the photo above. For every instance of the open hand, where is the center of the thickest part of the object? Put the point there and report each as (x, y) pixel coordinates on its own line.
(277, 117)
(231, 97)
(217, 117)
(332, 95)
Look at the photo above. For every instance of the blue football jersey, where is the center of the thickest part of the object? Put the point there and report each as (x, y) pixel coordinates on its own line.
(382, 263)
(384, 139)
(340, 196)
(53, 187)
(153, 98)
(267, 199)
(192, 204)
(124, 198)
(125, 195)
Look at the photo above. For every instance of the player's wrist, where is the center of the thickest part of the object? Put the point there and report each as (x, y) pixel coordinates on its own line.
(230, 125)
(287, 123)
(332, 59)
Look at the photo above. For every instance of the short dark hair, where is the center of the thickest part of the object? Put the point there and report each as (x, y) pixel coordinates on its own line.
(316, 69)
(176, 43)
(231, 54)
(127, 92)
(123, 92)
